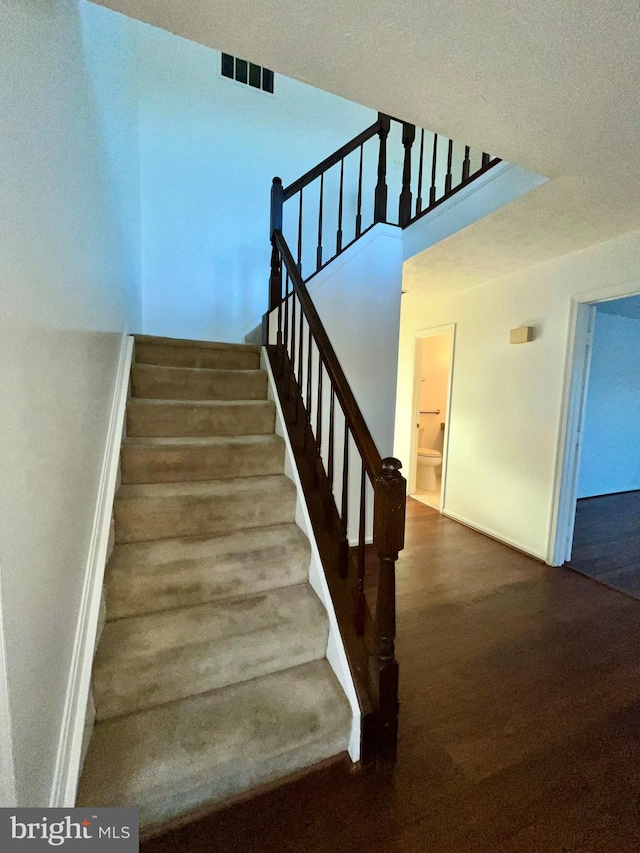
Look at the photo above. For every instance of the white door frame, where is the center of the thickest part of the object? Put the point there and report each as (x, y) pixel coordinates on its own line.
(433, 331)
(574, 394)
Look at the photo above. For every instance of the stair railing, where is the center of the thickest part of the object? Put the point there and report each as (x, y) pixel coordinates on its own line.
(355, 497)
(433, 170)
(320, 404)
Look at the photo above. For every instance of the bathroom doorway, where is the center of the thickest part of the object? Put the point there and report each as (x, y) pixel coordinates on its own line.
(431, 405)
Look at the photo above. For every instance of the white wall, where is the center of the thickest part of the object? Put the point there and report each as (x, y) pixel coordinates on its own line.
(209, 149)
(69, 288)
(434, 388)
(504, 421)
(610, 455)
(358, 300)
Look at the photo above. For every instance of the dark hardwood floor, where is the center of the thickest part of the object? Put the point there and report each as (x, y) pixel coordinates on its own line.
(519, 726)
(606, 541)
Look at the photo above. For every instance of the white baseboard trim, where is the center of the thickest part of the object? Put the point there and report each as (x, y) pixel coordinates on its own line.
(492, 534)
(69, 756)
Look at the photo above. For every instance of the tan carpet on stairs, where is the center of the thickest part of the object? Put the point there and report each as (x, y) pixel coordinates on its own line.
(210, 677)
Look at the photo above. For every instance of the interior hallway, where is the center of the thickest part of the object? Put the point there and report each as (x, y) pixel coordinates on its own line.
(519, 723)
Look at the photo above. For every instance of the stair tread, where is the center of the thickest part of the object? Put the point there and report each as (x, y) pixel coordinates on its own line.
(144, 512)
(221, 404)
(157, 368)
(148, 660)
(197, 383)
(144, 577)
(186, 342)
(203, 440)
(238, 485)
(201, 458)
(173, 758)
(152, 633)
(156, 416)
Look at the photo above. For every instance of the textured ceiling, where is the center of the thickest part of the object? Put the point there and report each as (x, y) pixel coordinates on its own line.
(551, 85)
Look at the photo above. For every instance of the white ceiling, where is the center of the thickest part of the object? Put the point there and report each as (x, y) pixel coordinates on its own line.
(551, 85)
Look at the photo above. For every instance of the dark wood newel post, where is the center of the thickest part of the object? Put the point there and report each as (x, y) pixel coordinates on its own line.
(389, 518)
(404, 209)
(277, 201)
(380, 203)
(275, 279)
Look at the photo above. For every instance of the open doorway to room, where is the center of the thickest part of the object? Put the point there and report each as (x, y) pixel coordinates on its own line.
(603, 515)
(431, 399)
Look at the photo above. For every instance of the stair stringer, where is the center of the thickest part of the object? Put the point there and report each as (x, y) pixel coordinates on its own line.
(336, 654)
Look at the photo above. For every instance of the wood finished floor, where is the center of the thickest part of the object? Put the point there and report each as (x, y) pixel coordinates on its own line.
(519, 727)
(606, 541)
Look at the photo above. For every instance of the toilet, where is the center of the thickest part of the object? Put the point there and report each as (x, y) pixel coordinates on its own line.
(428, 461)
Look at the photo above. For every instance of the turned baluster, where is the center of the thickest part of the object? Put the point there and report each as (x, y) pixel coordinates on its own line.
(320, 210)
(420, 170)
(360, 601)
(466, 163)
(449, 177)
(380, 202)
(404, 207)
(434, 170)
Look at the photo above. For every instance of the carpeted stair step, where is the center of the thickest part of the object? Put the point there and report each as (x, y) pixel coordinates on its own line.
(172, 759)
(199, 417)
(170, 510)
(147, 660)
(190, 383)
(180, 353)
(170, 460)
(144, 577)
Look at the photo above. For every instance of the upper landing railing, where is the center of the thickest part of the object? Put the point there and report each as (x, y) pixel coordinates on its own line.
(392, 172)
(359, 496)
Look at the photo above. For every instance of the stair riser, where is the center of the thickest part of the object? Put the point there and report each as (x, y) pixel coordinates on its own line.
(146, 518)
(158, 678)
(219, 359)
(196, 572)
(156, 420)
(142, 464)
(167, 383)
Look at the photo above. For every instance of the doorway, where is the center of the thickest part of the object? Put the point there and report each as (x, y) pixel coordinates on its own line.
(599, 506)
(431, 405)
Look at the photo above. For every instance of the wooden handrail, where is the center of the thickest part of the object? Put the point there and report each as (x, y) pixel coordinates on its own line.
(355, 420)
(372, 643)
(332, 160)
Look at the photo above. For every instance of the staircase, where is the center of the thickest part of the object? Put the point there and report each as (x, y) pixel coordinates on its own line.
(210, 676)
